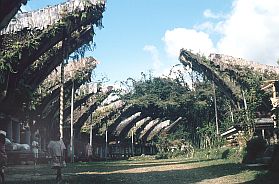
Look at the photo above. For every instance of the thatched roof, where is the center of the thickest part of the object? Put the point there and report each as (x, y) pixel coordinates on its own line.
(77, 72)
(169, 128)
(157, 129)
(227, 72)
(148, 128)
(36, 52)
(42, 18)
(139, 126)
(127, 124)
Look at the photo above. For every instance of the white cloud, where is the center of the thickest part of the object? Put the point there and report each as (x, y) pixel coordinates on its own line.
(157, 64)
(178, 38)
(210, 27)
(205, 26)
(252, 31)
(166, 68)
(209, 14)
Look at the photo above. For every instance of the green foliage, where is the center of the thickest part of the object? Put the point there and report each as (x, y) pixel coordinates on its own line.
(168, 99)
(161, 95)
(172, 98)
(14, 46)
(173, 146)
(162, 155)
(233, 154)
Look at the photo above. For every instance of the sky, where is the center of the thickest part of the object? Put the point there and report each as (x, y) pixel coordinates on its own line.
(146, 35)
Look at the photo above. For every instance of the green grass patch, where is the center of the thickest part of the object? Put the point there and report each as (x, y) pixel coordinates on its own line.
(145, 170)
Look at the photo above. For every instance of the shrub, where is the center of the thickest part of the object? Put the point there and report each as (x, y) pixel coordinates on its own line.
(161, 155)
(219, 153)
(255, 147)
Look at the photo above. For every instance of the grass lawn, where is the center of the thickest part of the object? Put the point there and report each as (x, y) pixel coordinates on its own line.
(149, 171)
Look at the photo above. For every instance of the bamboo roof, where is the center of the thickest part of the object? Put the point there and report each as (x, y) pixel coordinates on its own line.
(82, 114)
(127, 124)
(139, 125)
(157, 129)
(42, 18)
(49, 90)
(148, 128)
(227, 72)
(40, 50)
(170, 127)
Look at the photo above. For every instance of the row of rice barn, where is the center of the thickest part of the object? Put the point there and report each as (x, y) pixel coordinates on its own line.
(38, 80)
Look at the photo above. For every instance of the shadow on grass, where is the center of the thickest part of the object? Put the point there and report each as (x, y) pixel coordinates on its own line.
(171, 176)
(176, 176)
(127, 174)
(115, 166)
(268, 177)
(75, 180)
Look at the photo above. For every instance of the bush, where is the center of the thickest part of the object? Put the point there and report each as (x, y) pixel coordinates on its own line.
(219, 153)
(162, 155)
(142, 158)
(255, 147)
(232, 154)
(204, 154)
(171, 154)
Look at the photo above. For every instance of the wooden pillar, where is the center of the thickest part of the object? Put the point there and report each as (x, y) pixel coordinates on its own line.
(91, 135)
(106, 149)
(10, 130)
(27, 136)
(61, 110)
(273, 91)
(215, 109)
(101, 152)
(72, 124)
(16, 132)
(143, 149)
(263, 133)
(132, 143)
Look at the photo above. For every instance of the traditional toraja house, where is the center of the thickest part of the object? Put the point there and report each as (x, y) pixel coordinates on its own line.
(46, 106)
(121, 131)
(46, 113)
(234, 77)
(31, 46)
(113, 125)
(116, 130)
(39, 45)
(273, 87)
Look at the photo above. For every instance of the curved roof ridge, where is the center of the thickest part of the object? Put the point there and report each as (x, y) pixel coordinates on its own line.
(50, 15)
